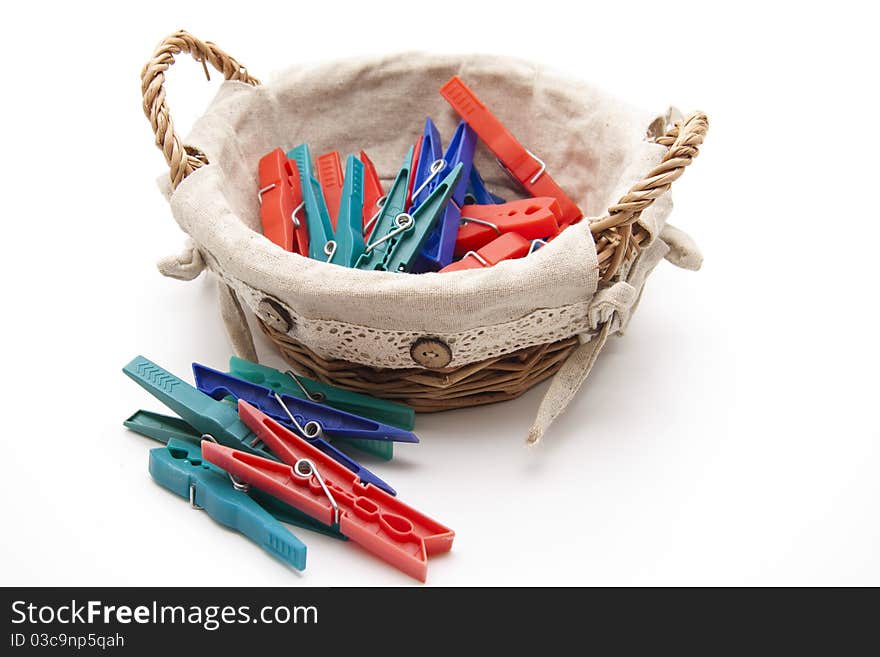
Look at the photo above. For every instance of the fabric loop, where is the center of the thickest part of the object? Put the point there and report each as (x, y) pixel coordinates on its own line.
(184, 267)
(683, 251)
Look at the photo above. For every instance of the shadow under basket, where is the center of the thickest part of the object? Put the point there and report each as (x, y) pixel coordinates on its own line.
(625, 168)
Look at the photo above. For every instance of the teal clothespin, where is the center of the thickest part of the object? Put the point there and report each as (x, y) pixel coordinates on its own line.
(349, 235)
(380, 410)
(206, 415)
(179, 467)
(164, 429)
(398, 237)
(321, 240)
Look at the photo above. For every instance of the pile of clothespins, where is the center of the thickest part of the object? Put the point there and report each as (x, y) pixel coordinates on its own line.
(436, 216)
(252, 447)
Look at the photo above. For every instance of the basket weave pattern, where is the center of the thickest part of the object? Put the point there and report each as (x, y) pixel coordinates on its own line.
(617, 236)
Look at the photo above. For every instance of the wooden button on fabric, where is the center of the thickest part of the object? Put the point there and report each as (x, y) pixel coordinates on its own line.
(432, 353)
(275, 315)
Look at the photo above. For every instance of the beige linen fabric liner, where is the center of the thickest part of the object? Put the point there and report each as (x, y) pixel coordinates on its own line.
(594, 147)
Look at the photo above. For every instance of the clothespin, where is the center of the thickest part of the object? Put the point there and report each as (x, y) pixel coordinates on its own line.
(167, 430)
(372, 190)
(312, 421)
(350, 224)
(206, 415)
(416, 153)
(477, 193)
(321, 243)
(398, 236)
(179, 467)
(440, 245)
(295, 385)
(329, 169)
(281, 203)
(529, 170)
(506, 247)
(533, 218)
(310, 481)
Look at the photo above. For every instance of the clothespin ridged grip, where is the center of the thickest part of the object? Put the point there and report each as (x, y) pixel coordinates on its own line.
(182, 160)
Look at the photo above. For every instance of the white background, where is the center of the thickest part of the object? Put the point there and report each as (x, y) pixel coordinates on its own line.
(729, 438)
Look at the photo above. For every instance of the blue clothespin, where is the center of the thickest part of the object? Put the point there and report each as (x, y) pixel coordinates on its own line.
(321, 239)
(349, 237)
(476, 189)
(164, 429)
(307, 419)
(179, 467)
(398, 237)
(205, 414)
(439, 249)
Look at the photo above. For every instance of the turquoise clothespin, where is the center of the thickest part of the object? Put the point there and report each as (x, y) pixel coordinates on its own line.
(321, 241)
(398, 237)
(380, 410)
(206, 415)
(164, 428)
(349, 235)
(179, 467)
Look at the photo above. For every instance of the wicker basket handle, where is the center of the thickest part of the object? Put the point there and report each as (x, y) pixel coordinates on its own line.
(182, 160)
(616, 235)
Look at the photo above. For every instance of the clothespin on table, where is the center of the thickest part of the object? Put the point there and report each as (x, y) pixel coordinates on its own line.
(321, 242)
(206, 415)
(523, 165)
(281, 201)
(440, 245)
(477, 193)
(317, 485)
(373, 191)
(179, 467)
(506, 247)
(295, 385)
(398, 237)
(532, 218)
(310, 420)
(171, 430)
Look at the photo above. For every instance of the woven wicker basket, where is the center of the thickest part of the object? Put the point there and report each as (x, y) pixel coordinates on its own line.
(617, 238)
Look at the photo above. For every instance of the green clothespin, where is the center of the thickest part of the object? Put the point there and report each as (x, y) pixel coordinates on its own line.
(165, 429)
(321, 242)
(349, 220)
(380, 410)
(206, 415)
(179, 467)
(398, 237)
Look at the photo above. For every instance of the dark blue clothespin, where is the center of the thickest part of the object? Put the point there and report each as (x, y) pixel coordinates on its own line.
(439, 250)
(307, 419)
(478, 193)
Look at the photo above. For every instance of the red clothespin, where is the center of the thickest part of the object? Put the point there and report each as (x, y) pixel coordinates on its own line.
(532, 218)
(417, 151)
(522, 164)
(281, 200)
(506, 247)
(331, 179)
(372, 188)
(327, 491)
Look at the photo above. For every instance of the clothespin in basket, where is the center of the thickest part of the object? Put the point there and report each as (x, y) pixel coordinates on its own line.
(176, 433)
(321, 242)
(349, 236)
(310, 420)
(281, 203)
(179, 467)
(398, 236)
(477, 193)
(532, 218)
(329, 169)
(373, 191)
(310, 481)
(506, 247)
(525, 167)
(440, 245)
